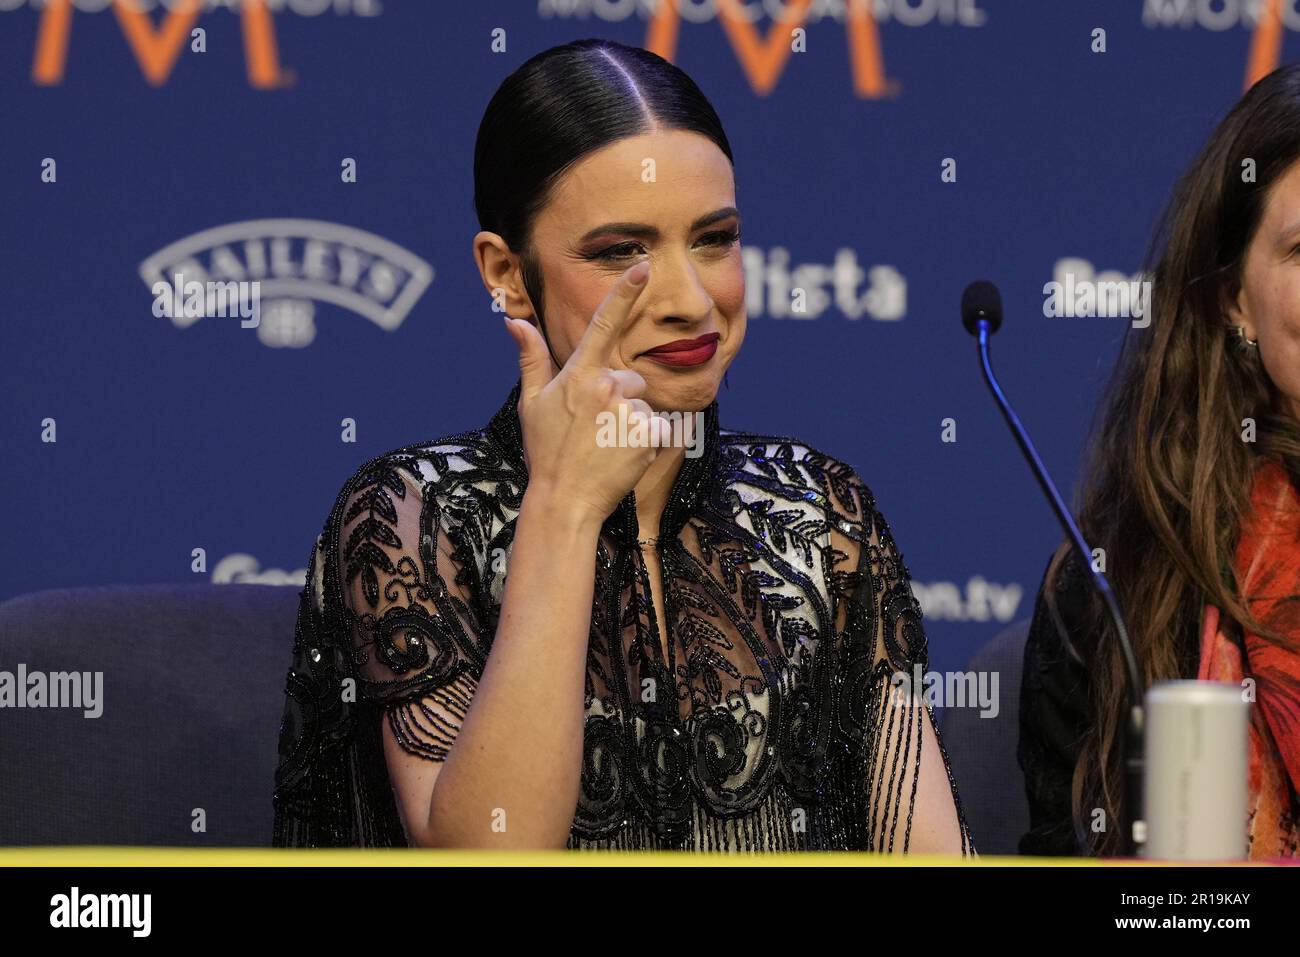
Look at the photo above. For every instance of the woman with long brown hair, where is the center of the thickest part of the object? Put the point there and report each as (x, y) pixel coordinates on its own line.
(1189, 498)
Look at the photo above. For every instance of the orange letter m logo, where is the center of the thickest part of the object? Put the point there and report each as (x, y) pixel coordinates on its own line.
(157, 50)
(763, 61)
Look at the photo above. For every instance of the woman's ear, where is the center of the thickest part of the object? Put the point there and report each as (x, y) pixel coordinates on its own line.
(500, 269)
(1235, 305)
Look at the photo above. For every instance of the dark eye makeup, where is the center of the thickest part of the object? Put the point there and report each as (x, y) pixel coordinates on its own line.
(720, 238)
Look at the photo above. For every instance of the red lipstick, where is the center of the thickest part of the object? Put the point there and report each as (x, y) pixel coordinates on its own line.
(685, 352)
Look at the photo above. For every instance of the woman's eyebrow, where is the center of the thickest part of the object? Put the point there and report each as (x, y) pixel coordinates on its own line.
(645, 231)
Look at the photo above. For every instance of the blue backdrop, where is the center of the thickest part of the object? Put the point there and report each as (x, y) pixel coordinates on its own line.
(173, 437)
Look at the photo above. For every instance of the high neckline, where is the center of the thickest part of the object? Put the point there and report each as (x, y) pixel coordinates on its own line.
(689, 487)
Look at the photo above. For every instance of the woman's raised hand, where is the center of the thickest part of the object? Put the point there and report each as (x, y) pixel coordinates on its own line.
(560, 410)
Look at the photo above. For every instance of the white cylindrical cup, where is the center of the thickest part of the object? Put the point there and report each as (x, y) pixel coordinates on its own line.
(1197, 738)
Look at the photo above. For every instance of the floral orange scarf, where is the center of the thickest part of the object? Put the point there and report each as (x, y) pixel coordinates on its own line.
(1268, 569)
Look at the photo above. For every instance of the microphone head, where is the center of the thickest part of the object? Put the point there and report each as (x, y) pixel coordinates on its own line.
(981, 300)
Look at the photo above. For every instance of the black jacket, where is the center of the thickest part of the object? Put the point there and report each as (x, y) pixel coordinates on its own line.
(1054, 715)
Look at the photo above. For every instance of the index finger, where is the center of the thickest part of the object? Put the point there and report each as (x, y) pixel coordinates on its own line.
(597, 342)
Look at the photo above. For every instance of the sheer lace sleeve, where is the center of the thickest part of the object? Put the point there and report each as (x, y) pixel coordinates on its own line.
(389, 629)
(912, 798)
(411, 607)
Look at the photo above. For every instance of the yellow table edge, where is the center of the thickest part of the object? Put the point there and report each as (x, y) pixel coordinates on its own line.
(110, 856)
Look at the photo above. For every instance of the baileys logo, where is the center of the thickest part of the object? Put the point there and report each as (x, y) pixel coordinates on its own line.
(295, 263)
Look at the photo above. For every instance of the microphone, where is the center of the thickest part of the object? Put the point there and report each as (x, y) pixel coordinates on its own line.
(981, 314)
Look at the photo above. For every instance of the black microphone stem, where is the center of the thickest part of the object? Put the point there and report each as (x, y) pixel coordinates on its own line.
(1134, 730)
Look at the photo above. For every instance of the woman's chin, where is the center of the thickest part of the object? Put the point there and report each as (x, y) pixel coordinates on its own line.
(680, 397)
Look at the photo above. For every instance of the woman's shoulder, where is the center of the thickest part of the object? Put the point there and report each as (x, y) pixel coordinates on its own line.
(380, 510)
(444, 461)
(1058, 627)
(1063, 595)
(384, 495)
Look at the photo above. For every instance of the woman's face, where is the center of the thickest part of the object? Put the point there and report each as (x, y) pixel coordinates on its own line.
(1268, 304)
(667, 197)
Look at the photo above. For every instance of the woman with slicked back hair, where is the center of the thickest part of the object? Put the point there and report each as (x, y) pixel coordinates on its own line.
(1191, 496)
(602, 620)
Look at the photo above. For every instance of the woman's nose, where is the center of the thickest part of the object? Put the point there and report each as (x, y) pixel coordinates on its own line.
(676, 289)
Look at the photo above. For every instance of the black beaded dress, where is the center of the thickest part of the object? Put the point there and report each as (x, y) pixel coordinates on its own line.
(789, 609)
